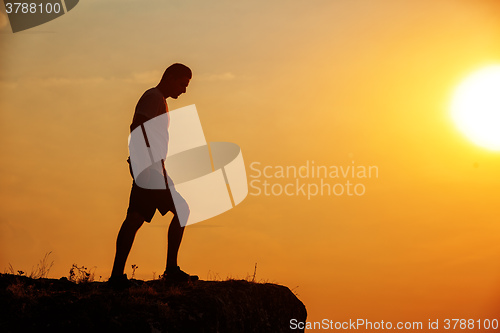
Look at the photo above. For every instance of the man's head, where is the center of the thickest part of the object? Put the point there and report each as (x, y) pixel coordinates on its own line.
(175, 80)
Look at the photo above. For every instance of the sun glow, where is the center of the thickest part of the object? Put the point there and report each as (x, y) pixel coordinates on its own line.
(476, 107)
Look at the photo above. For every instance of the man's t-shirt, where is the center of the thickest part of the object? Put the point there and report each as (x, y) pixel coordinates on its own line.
(151, 104)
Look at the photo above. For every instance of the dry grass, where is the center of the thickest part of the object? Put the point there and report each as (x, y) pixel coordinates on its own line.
(41, 270)
(213, 276)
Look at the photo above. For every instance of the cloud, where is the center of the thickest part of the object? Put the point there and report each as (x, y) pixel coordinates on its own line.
(216, 77)
(51, 82)
(146, 77)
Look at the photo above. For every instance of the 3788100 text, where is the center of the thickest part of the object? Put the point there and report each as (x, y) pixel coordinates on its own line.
(464, 324)
(32, 8)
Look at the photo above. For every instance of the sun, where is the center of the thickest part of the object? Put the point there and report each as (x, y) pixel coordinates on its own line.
(475, 107)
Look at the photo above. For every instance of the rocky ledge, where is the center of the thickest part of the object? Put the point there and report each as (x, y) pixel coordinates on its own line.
(29, 305)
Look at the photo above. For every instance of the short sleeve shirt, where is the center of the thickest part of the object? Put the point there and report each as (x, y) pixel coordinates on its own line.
(151, 104)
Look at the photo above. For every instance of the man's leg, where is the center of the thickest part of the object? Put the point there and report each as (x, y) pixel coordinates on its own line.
(175, 232)
(124, 241)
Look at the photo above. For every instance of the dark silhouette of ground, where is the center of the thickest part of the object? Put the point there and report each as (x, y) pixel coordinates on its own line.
(29, 305)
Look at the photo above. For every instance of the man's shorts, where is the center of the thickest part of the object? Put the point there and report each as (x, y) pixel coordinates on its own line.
(146, 202)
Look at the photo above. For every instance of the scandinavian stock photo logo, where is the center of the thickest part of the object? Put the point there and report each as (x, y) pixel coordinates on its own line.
(311, 179)
(25, 15)
(205, 179)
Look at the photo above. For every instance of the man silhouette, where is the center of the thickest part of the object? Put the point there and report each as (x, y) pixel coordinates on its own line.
(144, 202)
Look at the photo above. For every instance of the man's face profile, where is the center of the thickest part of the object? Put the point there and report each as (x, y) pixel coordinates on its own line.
(179, 86)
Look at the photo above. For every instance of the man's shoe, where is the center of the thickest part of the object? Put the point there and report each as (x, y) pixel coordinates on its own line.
(175, 274)
(119, 282)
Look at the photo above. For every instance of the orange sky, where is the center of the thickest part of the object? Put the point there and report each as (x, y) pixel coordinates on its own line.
(289, 81)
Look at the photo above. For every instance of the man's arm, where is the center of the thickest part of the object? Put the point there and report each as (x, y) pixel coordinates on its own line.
(138, 120)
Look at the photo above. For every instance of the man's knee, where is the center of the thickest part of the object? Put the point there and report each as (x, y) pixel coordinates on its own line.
(182, 208)
(182, 215)
(134, 220)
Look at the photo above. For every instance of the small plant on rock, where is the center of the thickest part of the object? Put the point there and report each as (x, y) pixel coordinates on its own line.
(81, 274)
